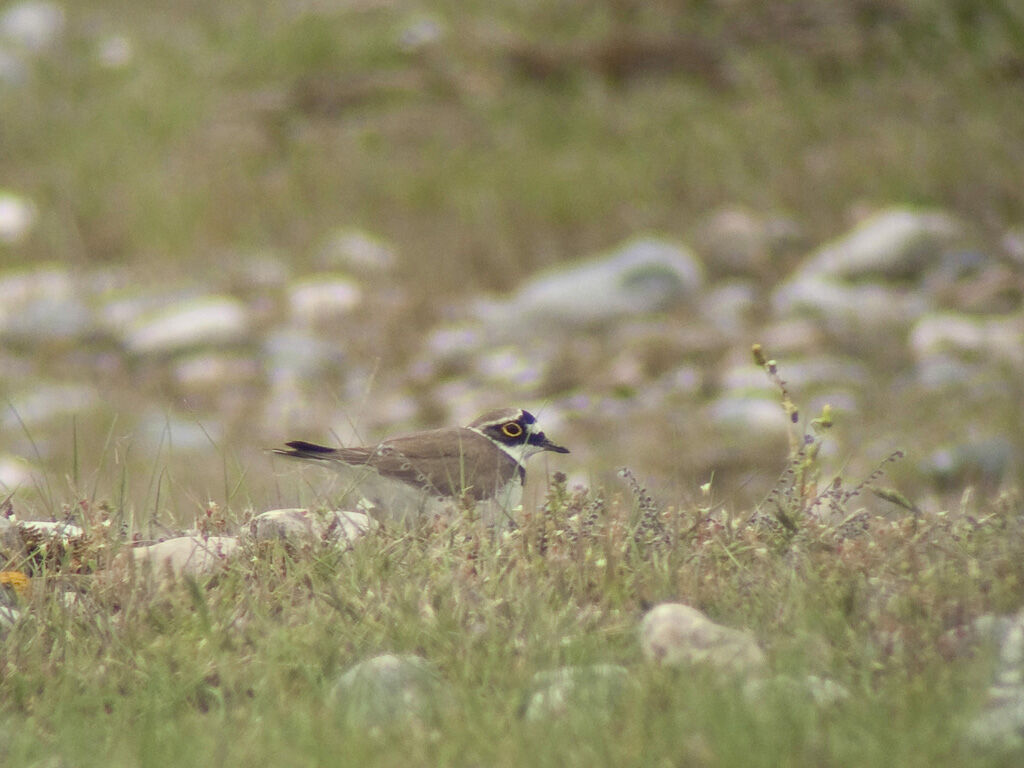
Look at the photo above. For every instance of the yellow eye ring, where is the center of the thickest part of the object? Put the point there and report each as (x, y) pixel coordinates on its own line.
(511, 429)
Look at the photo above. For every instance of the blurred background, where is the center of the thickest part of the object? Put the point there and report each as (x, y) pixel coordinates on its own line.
(228, 224)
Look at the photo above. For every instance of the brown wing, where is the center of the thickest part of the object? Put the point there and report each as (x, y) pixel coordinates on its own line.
(447, 462)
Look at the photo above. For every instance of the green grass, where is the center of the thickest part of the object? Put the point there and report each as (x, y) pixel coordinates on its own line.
(237, 670)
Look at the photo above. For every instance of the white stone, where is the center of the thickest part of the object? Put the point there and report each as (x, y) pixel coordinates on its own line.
(115, 52)
(945, 332)
(323, 297)
(20, 287)
(642, 276)
(51, 530)
(899, 242)
(674, 634)
(14, 473)
(125, 307)
(747, 378)
(299, 526)
(421, 32)
(738, 241)
(1000, 726)
(186, 555)
(729, 306)
(734, 241)
(32, 25)
(42, 304)
(388, 690)
(989, 339)
(17, 218)
(8, 618)
(47, 401)
(357, 250)
(202, 322)
(849, 310)
(749, 414)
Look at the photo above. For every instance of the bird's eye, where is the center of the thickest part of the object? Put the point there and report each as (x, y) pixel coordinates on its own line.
(512, 429)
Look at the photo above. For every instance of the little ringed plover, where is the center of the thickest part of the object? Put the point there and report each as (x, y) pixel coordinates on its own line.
(481, 462)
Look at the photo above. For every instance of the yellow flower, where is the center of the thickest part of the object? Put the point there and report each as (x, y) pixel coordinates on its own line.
(16, 581)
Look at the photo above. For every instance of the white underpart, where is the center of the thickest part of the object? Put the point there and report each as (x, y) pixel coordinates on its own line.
(368, 491)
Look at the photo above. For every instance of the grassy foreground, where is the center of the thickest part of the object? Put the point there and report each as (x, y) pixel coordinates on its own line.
(237, 669)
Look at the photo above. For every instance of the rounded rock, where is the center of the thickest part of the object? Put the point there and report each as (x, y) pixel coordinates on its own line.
(992, 339)
(1000, 726)
(642, 276)
(736, 241)
(357, 250)
(32, 25)
(674, 634)
(201, 322)
(13, 472)
(41, 305)
(301, 527)
(750, 414)
(17, 217)
(48, 401)
(388, 691)
(320, 298)
(895, 243)
(855, 313)
(186, 555)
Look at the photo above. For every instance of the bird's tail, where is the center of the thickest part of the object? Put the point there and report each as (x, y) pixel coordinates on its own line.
(300, 449)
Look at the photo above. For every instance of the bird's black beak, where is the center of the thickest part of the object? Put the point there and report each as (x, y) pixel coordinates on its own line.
(542, 442)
